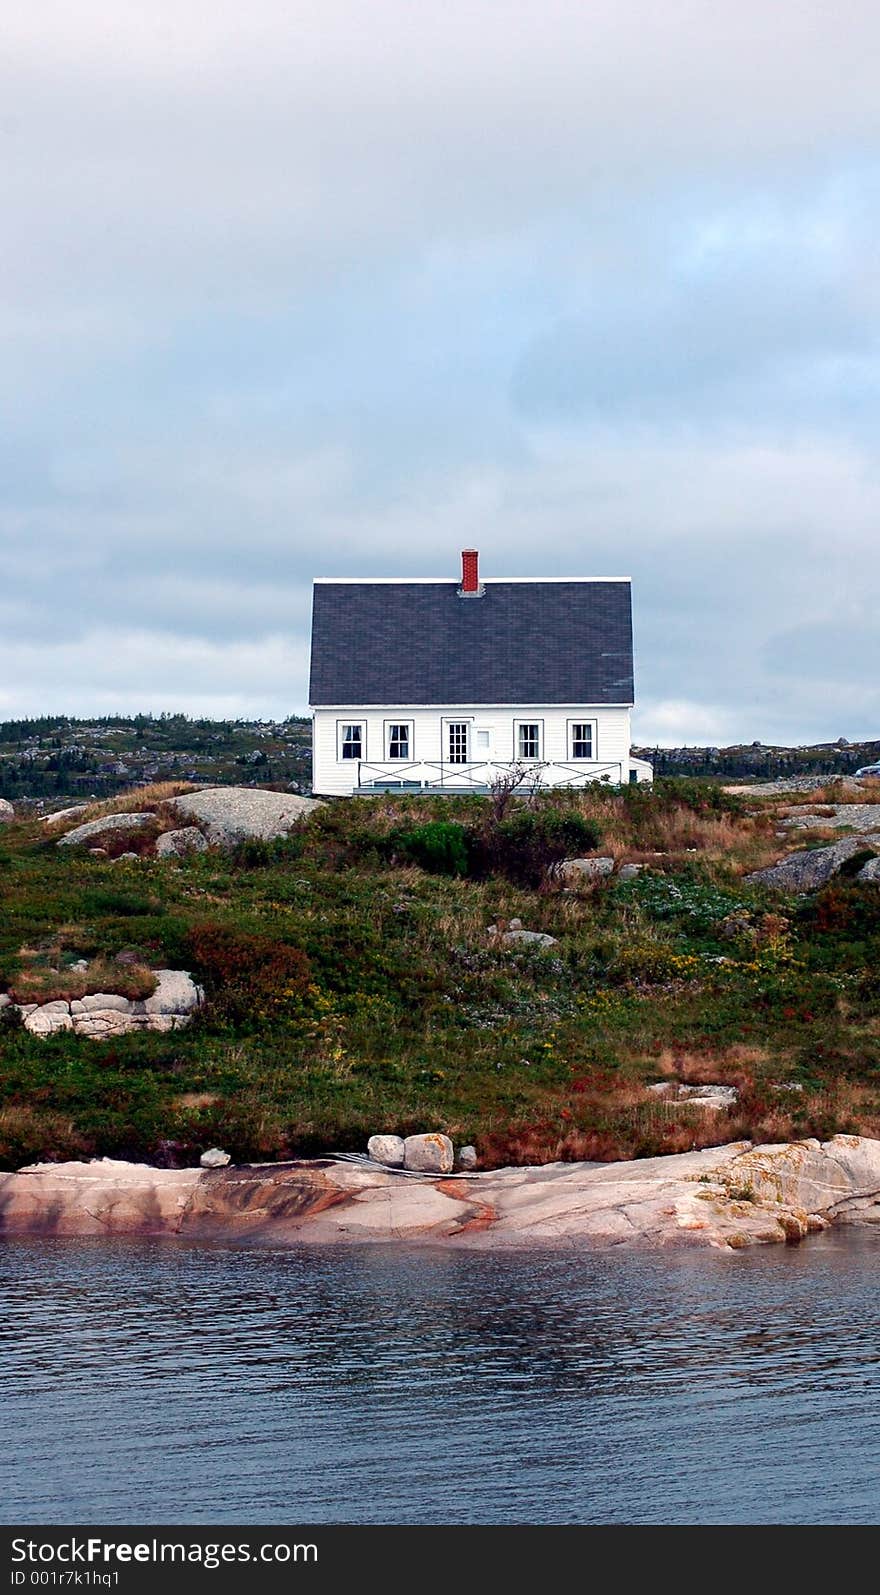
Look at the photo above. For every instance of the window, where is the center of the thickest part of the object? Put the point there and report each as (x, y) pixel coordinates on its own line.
(581, 739)
(457, 733)
(399, 739)
(528, 740)
(351, 741)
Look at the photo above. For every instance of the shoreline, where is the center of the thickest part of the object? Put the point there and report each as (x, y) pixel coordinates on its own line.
(728, 1198)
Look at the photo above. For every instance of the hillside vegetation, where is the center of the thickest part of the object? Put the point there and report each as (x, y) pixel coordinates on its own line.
(352, 986)
(57, 757)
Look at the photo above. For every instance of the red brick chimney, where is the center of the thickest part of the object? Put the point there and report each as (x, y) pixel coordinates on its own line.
(470, 574)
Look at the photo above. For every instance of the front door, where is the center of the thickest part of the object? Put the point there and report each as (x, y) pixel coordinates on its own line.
(457, 741)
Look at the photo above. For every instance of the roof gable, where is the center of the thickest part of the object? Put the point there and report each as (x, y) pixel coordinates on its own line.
(522, 642)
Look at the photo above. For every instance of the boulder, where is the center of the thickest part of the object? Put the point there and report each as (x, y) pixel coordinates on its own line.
(128, 858)
(428, 1154)
(101, 1022)
(538, 937)
(7, 812)
(808, 871)
(5, 1002)
(104, 826)
(215, 1159)
(48, 1018)
(711, 1098)
(60, 815)
(176, 993)
(467, 1157)
(100, 1001)
(628, 872)
(870, 871)
(231, 814)
(387, 1149)
(581, 871)
(176, 844)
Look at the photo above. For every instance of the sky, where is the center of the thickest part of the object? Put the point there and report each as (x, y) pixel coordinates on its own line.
(294, 288)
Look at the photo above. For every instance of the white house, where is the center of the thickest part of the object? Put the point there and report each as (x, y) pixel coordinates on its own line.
(446, 685)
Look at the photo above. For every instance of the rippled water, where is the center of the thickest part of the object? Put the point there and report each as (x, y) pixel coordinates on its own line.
(163, 1383)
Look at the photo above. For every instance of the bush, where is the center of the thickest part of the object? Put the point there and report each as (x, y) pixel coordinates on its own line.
(103, 901)
(440, 846)
(527, 844)
(256, 853)
(247, 978)
(702, 797)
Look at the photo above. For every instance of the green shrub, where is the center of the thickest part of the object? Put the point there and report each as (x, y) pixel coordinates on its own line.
(256, 853)
(99, 901)
(527, 844)
(703, 797)
(440, 846)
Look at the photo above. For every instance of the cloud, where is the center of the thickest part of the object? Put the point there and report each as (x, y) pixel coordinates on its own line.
(105, 670)
(297, 291)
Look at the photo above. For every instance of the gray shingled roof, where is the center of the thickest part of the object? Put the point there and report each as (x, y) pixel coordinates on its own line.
(521, 643)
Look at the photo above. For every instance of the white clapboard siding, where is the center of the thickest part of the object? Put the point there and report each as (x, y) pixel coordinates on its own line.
(333, 776)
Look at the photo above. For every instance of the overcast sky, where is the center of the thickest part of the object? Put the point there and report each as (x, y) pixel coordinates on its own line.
(314, 287)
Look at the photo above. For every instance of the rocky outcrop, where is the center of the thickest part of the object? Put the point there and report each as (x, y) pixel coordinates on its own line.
(870, 871)
(843, 817)
(725, 1197)
(105, 826)
(792, 783)
(178, 844)
(230, 814)
(105, 1013)
(7, 812)
(808, 871)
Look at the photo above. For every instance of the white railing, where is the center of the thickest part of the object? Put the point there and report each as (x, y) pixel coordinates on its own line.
(436, 775)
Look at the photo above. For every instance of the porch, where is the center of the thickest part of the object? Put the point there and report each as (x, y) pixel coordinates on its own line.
(477, 777)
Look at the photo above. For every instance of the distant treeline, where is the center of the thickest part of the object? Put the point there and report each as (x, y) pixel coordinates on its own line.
(758, 761)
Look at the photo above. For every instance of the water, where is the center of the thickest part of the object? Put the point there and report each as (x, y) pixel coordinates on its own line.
(148, 1383)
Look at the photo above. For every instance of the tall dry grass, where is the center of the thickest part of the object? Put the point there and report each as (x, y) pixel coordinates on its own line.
(137, 800)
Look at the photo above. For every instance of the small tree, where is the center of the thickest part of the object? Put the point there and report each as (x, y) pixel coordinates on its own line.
(521, 778)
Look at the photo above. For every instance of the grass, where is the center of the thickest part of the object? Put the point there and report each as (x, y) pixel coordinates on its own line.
(351, 991)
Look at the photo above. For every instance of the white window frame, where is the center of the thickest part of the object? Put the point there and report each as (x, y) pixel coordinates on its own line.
(581, 758)
(398, 758)
(518, 727)
(347, 725)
